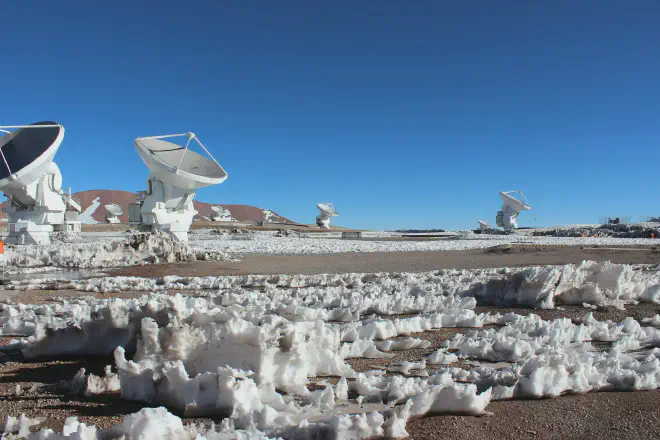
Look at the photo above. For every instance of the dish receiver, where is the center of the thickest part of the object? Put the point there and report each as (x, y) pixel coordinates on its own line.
(114, 211)
(327, 210)
(36, 205)
(511, 207)
(175, 173)
(483, 225)
(220, 214)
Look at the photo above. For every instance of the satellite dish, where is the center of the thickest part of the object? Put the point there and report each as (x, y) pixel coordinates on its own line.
(32, 182)
(327, 210)
(220, 213)
(176, 172)
(483, 225)
(177, 165)
(511, 207)
(114, 211)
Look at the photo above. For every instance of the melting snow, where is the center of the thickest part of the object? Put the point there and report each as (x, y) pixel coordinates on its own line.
(246, 347)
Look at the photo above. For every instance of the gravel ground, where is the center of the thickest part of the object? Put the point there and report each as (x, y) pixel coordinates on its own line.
(394, 261)
(590, 416)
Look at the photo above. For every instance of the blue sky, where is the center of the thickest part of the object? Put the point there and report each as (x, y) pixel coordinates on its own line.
(404, 114)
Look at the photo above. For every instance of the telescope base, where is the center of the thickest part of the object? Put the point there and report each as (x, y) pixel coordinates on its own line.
(27, 232)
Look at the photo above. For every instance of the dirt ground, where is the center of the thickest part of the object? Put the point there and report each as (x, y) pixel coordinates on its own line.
(368, 262)
(603, 415)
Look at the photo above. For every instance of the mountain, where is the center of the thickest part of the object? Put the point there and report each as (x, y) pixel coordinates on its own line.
(94, 201)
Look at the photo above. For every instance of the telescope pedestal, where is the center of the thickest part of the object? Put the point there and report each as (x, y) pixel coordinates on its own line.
(27, 232)
(34, 210)
(168, 208)
(506, 218)
(323, 221)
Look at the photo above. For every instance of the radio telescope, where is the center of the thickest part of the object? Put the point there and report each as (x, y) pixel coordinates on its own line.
(175, 174)
(483, 225)
(36, 205)
(114, 211)
(327, 210)
(220, 214)
(511, 207)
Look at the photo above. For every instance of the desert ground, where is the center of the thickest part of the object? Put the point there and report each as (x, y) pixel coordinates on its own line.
(470, 337)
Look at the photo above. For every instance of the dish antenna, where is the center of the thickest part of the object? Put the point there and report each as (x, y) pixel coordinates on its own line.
(175, 174)
(327, 210)
(220, 213)
(483, 225)
(114, 211)
(511, 207)
(32, 182)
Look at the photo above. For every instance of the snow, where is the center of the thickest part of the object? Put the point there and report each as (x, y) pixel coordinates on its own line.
(299, 297)
(267, 243)
(113, 249)
(247, 347)
(18, 427)
(105, 251)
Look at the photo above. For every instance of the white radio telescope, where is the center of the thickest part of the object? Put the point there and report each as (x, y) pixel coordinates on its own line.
(175, 174)
(483, 225)
(327, 210)
(114, 211)
(32, 182)
(220, 213)
(511, 207)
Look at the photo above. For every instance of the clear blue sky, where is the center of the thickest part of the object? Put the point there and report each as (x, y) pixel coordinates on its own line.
(404, 114)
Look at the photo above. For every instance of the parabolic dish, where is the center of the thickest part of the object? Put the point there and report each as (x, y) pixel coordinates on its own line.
(194, 171)
(483, 224)
(114, 209)
(514, 203)
(28, 151)
(218, 209)
(328, 208)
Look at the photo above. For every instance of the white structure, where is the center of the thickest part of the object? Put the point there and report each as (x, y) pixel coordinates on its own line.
(483, 225)
(87, 216)
(327, 210)
(176, 173)
(220, 214)
(114, 211)
(36, 205)
(511, 207)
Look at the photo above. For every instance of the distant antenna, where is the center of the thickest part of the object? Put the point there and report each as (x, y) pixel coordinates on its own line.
(511, 207)
(220, 213)
(327, 210)
(175, 174)
(32, 182)
(114, 211)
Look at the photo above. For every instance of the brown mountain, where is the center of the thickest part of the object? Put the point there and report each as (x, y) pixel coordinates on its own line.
(242, 213)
